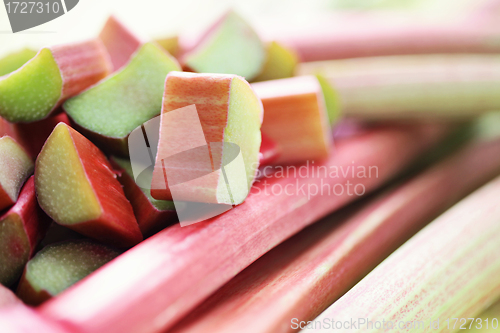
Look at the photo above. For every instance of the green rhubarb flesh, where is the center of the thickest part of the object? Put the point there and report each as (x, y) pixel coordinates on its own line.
(233, 48)
(158, 204)
(31, 93)
(14, 249)
(62, 187)
(59, 266)
(243, 129)
(280, 63)
(14, 61)
(15, 167)
(127, 99)
(331, 99)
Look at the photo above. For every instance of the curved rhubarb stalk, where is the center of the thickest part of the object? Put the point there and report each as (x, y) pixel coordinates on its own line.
(448, 270)
(157, 282)
(301, 277)
(56, 73)
(439, 86)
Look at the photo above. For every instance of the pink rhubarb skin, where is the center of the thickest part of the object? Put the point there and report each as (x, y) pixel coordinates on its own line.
(448, 270)
(81, 66)
(295, 117)
(32, 136)
(7, 297)
(35, 221)
(120, 43)
(341, 36)
(19, 318)
(184, 265)
(301, 277)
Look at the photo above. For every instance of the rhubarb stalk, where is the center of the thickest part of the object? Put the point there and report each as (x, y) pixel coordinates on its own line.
(342, 36)
(438, 86)
(56, 73)
(448, 270)
(154, 284)
(304, 275)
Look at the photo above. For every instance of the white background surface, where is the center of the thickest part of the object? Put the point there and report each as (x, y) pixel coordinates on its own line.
(158, 18)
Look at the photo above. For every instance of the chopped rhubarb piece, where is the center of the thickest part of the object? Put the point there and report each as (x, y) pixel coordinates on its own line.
(170, 44)
(230, 46)
(15, 167)
(280, 63)
(152, 215)
(120, 42)
(14, 61)
(56, 73)
(32, 136)
(21, 229)
(76, 186)
(299, 278)
(110, 110)
(296, 118)
(400, 87)
(207, 255)
(448, 270)
(58, 266)
(228, 112)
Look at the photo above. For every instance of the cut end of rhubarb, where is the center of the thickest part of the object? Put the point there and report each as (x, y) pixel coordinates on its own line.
(162, 205)
(296, 118)
(170, 44)
(331, 98)
(116, 106)
(77, 187)
(31, 92)
(58, 266)
(230, 47)
(63, 190)
(280, 63)
(15, 167)
(14, 248)
(16, 60)
(211, 123)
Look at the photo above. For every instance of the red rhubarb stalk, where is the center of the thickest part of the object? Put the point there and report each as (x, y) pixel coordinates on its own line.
(300, 278)
(448, 270)
(151, 286)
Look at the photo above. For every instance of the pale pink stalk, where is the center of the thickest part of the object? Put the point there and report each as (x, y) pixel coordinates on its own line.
(444, 86)
(342, 36)
(304, 275)
(153, 285)
(19, 318)
(448, 270)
